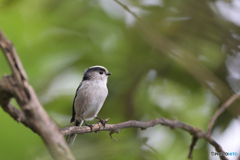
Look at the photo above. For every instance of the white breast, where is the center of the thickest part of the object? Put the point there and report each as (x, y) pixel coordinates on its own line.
(89, 100)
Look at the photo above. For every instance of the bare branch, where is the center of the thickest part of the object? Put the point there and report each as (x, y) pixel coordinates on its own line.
(16, 114)
(220, 111)
(194, 142)
(114, 131)
(32, 115)
(144, 125)
(127, 9)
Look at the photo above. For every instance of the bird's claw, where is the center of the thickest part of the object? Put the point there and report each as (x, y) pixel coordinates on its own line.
(89, 125)
(103, 122)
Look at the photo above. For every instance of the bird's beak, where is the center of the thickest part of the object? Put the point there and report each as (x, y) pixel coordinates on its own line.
(108, 73)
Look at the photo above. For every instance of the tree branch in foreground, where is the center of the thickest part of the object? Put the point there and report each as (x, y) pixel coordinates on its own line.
(32, 114)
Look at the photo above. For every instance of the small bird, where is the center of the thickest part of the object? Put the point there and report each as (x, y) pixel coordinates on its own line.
(89, 98)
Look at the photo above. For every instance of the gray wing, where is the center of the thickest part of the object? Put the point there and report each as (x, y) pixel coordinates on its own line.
(73, 107)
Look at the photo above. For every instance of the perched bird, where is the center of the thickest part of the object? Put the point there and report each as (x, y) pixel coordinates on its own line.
(89, 98)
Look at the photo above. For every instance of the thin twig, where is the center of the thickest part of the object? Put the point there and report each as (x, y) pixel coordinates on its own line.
(220, 111)
(127, 9)
(114, 131)
(194, 141)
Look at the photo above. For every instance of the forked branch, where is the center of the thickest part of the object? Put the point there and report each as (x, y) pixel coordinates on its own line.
(32, 114)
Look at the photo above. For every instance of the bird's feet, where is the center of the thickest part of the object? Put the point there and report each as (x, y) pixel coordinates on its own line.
(101, 121)
(89, 125)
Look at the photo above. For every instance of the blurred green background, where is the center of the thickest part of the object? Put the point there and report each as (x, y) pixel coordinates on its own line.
(184, 65)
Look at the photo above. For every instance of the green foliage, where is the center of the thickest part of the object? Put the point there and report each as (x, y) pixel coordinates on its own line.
(58, 40)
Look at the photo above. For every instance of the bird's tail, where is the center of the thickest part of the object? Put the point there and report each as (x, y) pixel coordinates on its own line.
(71, 138)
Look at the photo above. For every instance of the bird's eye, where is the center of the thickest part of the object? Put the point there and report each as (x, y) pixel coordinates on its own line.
(101, 72)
